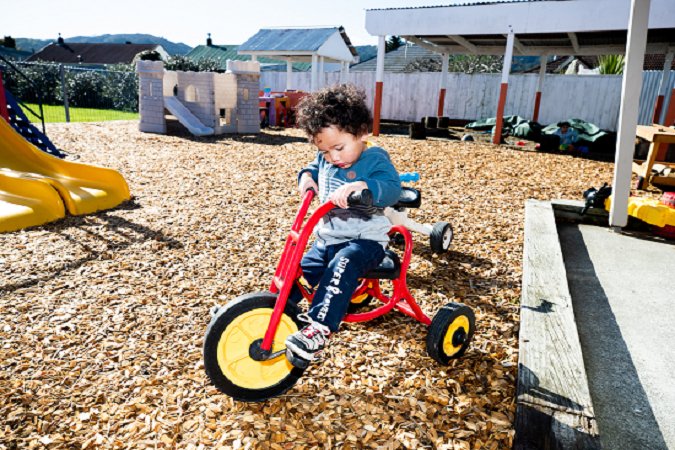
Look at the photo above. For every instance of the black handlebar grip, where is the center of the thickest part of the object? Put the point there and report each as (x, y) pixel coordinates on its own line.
(364, 197)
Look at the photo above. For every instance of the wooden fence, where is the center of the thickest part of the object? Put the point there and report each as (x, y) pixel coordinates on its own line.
(409, 97)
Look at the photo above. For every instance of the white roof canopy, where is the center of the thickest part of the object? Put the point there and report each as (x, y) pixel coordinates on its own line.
(572, 27)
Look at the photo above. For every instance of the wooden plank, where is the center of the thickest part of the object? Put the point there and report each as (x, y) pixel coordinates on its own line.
(554, 407)
(656, 133)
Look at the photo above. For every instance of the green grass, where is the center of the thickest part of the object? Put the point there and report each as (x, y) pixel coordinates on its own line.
(58, 114)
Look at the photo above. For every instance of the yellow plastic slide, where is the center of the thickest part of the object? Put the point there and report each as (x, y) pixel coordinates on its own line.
(25, 173)
(25, 202)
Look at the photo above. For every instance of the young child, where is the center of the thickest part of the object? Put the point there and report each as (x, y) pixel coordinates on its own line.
(350, 240)
(567, 137)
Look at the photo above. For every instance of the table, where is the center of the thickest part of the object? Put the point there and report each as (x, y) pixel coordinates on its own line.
(660, 137)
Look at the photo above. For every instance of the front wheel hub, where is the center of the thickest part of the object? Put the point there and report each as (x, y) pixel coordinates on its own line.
(256, 352)
(459, 337)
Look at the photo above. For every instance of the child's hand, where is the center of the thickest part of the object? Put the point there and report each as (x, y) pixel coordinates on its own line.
(339, 197)
(306, 182)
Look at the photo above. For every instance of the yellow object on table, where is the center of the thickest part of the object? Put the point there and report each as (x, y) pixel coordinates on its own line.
(648, 210)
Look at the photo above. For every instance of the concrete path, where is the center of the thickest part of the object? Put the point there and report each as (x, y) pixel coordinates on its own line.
(623, 292)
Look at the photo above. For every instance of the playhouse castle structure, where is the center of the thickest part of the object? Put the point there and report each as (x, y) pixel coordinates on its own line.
(204, 102)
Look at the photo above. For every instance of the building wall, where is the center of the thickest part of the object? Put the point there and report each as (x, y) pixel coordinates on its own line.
(248, 109)
(203, 106)
(151, 96)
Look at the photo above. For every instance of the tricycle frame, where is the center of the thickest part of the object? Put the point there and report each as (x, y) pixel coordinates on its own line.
(289, 270)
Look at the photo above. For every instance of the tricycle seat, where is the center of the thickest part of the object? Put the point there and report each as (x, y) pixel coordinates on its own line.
(409, 198)
(389, 268)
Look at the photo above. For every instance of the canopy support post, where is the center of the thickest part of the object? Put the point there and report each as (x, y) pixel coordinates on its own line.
(664, 85)
(346, 72)
(321, 77)
(379, 78)
(497, 138)
(315, 63)
(444, 83)
(289, 74)
(537, 96)
(628, 116)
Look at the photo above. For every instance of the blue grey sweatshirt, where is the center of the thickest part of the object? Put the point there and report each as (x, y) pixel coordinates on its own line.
(358, 222)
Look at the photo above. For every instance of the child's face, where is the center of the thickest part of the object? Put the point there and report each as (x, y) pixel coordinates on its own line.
(564, 129)
(340, 148)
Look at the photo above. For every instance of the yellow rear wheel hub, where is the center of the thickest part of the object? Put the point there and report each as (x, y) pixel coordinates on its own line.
(459, 322)
(233, 350)
(362, 297)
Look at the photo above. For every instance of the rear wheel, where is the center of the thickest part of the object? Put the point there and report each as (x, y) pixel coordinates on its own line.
(230, 347)
(450, 332)
(441, 237)
(359, 302)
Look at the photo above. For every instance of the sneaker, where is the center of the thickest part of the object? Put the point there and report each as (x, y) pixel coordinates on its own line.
(306, 345)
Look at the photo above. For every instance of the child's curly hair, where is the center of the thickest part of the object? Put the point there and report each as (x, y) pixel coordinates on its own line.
(343, 106)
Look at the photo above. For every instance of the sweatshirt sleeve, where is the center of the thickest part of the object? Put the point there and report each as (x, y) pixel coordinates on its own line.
(383, 181)
(313, 169)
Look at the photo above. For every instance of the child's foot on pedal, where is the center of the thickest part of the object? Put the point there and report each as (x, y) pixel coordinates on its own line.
(307, 344)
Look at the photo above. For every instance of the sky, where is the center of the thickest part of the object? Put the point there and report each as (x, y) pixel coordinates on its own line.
(229, 22)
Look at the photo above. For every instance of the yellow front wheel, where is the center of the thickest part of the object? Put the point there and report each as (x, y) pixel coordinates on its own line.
(450, 332)
(231, 347)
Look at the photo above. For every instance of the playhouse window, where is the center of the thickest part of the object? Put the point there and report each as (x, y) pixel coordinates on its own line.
(226, 116)
(150, 89)
(191, 94)
(245, 94)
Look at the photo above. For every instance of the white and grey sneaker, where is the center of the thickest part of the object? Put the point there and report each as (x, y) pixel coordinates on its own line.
(307, 344)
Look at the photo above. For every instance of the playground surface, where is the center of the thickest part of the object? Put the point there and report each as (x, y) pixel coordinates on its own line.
(622, 291)
(102, 315)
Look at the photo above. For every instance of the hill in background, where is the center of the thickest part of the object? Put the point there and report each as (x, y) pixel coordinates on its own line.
(172, 48)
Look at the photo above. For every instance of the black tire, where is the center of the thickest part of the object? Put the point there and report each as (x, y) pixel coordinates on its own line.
(463, 320)
(431, 122)
(226, 315)
(441, 237)
(443, 122)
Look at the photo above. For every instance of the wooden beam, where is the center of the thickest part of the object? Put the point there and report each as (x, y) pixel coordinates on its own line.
(575, 43)
(518, 45)
(463, 42)
(431, 47)
(554, 408)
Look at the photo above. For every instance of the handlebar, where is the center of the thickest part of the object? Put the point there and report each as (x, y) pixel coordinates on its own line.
(364, 197)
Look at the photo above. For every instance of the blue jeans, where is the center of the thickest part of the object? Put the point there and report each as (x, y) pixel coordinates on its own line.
(336, 269)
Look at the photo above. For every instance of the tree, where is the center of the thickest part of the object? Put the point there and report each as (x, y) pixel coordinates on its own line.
(458, 63)
(611, 64)
(8, 42)
(393, 43)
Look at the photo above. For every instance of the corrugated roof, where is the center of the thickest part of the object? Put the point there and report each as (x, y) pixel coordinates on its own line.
(395, 60)
(225, 52)
(299, 39)
(466, 4)
(91, 53)
(293, 40)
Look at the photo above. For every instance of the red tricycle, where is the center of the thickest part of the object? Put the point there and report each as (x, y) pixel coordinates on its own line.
(244, 353)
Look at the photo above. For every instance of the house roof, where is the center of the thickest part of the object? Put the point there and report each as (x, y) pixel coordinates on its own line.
(225, 52)
(396, 60)
(301, 44)
(91, 53)
(19, 55)
(293, 39)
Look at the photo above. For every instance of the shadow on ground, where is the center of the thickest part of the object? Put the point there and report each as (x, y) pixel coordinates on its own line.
(131, 232)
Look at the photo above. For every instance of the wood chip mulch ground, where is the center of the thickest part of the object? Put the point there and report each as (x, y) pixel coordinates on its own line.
(102, 316)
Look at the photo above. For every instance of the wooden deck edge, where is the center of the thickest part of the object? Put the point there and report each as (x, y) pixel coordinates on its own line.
(554, 407)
